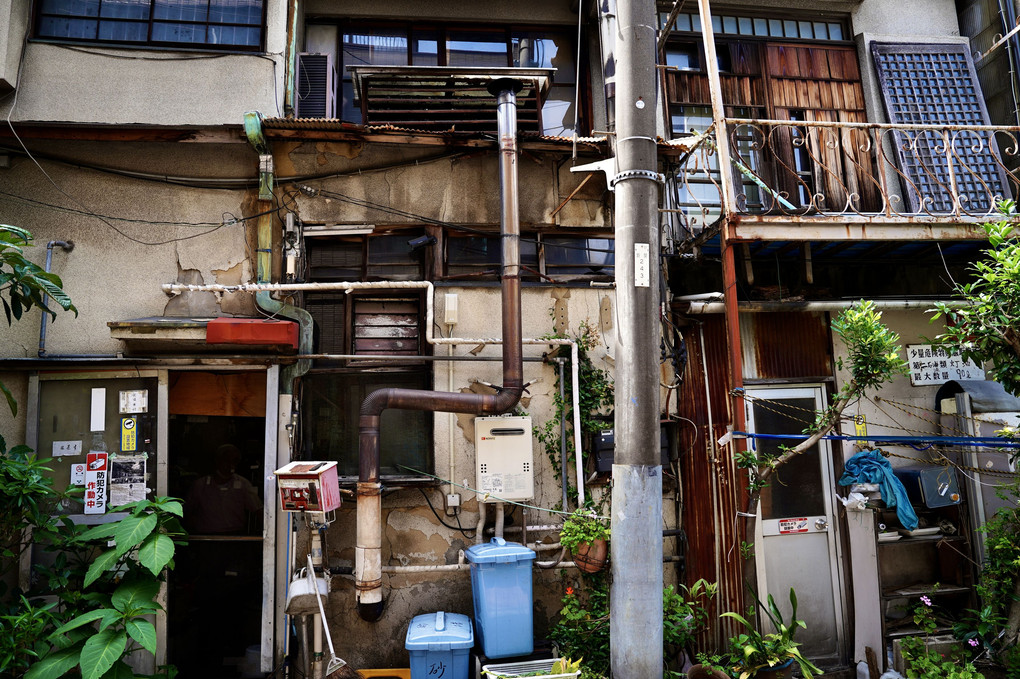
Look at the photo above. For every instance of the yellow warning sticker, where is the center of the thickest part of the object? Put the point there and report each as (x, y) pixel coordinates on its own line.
(128, 434)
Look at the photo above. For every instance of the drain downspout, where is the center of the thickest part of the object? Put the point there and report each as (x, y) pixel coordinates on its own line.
(67, 247)
(368, 550)
(264, 299)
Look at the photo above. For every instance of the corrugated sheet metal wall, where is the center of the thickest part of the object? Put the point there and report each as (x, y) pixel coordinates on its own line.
(776, 346)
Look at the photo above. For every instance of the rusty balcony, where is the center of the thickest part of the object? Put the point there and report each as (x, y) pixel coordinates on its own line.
(843, 179)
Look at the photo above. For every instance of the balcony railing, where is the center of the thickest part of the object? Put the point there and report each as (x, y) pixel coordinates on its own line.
(839, 170)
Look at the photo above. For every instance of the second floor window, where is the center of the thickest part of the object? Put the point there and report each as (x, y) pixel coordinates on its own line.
(217, 24)
(493, 47)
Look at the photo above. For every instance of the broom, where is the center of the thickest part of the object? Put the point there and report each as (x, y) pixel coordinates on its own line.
(336, 668)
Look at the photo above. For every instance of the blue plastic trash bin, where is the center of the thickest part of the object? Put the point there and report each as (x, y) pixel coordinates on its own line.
(439, 644)
(501, 589)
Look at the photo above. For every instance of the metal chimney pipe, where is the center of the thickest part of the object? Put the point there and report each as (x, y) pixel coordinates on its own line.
(368, 548)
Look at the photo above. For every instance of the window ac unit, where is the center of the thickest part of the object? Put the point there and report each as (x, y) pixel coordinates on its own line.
(315, 89)
(503, 458)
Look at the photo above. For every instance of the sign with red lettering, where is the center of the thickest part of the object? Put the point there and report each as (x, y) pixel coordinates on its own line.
(95, 482)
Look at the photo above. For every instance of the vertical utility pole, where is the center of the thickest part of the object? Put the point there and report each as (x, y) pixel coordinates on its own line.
(636, 594)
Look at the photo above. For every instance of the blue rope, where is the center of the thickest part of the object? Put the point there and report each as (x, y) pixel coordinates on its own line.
(976, 441)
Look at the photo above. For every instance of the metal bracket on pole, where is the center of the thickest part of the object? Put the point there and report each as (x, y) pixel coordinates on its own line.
(607, 167)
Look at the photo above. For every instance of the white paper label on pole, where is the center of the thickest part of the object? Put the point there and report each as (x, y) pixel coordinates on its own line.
(641, 265)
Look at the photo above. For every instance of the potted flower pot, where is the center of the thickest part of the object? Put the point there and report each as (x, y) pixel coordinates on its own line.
(784, 671)
(591, 557)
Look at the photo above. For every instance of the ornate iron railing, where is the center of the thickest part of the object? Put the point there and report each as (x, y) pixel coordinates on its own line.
(828, 169)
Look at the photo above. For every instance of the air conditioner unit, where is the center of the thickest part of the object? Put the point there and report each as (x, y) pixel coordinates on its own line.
(315, 89)
(504, 459)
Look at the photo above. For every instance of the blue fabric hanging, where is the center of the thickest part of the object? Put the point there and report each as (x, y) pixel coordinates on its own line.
(870, 466)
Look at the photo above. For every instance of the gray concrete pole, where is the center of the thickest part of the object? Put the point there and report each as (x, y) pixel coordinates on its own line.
(636, 594)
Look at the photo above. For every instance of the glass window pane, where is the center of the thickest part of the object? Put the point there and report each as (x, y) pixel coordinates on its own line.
(683, 22)
(745, 25)
(123, 31)
(424, 48)
(790, 29)
(696, 23)
(178, 33)
(542, 50)
(683, 58)
(181, 10)
(234, 35)
(806, 29)
(390, 258)
(835, 32)
(717, 24)
(775, 28)
(477, 48)
(761, 27)
(821, 31)
(799, 491)
(578, 255)
(729, 25)
(54, 27)
(332, 407)
(247, 12)
(375, 47)
(125, 9)
(558, 111)
(77, 8)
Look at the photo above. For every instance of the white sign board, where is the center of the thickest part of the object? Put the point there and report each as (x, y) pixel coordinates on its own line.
(930, 364)
(95, 482)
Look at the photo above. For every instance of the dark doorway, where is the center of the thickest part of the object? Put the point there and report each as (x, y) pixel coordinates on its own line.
(215, 591)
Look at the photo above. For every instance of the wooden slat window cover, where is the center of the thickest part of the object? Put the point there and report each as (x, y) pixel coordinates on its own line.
(820, 83)
(937, 84)
(386, 327)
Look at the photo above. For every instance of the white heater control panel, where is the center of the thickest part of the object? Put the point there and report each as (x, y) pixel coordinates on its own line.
(504, 458)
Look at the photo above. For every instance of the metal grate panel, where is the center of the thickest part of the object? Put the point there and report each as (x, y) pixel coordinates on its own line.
(936, 84)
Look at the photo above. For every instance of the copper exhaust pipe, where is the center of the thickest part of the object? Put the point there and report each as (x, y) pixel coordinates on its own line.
(368, 549)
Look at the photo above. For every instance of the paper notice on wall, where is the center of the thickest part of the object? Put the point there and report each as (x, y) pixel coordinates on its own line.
(96, 471)
(127, 479)
(930, 364)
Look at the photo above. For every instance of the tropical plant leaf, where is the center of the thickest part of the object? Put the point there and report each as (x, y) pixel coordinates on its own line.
(101, 651)
(53, 665)
(11, 403)
(156, 552)
(132, 530)
(127, 597)
(120, 670)
(103, 563)
(102, 531)
(144, 632)
(82, 619)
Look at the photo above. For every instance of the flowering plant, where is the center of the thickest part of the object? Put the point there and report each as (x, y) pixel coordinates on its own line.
(923, 662)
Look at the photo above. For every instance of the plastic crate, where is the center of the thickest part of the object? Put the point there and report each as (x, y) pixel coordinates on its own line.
(527, 668)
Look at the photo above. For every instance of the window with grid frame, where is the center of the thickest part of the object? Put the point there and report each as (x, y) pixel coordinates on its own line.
(937, 84)
(552, 258)
(387, 323)
(209, 24)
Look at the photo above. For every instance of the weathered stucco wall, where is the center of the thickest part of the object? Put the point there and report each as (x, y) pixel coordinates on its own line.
(110, 86)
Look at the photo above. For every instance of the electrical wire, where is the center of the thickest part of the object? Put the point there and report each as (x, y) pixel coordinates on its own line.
(458, 527)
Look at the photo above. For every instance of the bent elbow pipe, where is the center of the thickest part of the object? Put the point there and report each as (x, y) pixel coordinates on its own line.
(368, 547)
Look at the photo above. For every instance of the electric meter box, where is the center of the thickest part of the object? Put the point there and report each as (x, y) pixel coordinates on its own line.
(504, 459)
(308, 486)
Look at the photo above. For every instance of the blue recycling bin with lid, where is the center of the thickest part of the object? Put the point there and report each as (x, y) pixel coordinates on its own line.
(439, 645)
(501, 589)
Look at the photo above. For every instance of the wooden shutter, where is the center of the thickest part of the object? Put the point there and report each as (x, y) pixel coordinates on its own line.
(937, 84)
(820, 83)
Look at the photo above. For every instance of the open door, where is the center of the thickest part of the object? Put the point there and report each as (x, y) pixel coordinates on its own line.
(796, 541)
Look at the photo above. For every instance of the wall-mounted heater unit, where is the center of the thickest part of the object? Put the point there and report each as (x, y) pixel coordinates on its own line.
(315, 88)
(504, 459)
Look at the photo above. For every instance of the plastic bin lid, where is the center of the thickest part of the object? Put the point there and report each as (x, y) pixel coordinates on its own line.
(499, 550)
(439, 632)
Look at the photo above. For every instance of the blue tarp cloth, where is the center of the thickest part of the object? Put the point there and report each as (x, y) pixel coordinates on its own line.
(870, 466)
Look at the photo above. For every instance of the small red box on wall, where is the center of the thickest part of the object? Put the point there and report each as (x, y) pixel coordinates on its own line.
(308, 487)
(251, 331)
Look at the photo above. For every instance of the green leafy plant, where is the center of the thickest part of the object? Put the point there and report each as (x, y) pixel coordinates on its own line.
(923, 662)
(25, 284)
(583, 629)
(123, 583)
(595, 399)
(752, 650)
(583, 526)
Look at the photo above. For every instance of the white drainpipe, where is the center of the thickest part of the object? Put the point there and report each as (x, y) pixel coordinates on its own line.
(177, 288)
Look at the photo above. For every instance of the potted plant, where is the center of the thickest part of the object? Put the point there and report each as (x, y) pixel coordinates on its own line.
(585, 535)
(764, 656)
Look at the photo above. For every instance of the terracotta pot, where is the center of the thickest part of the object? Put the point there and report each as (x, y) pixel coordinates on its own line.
(591, 558)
